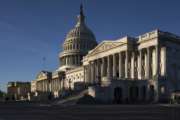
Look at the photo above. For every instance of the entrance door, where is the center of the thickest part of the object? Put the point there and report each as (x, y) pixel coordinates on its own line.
(143, 91)
(152, 93)
(133, 94)
(118, 95)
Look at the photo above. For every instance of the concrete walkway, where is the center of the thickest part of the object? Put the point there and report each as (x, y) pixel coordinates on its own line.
(89, 112)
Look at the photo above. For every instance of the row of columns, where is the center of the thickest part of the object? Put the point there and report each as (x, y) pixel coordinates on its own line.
(72, 47)
(71, 60)
(56, 85)
(45, 86)
(126, 64)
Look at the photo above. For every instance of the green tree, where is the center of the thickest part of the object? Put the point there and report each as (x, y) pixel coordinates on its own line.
(1, 94)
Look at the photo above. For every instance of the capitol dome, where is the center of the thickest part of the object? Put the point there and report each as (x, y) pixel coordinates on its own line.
(78, 42)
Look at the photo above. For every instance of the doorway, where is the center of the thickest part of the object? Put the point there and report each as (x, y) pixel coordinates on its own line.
(118, 95)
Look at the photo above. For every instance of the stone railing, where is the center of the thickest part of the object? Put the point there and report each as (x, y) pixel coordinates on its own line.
(148, 35)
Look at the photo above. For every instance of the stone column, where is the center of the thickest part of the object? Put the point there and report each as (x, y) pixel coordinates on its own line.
(89, 73)
(95, 71)
(140, 65)
(59, 84)
(132, 65)
(49, 85)
(108, 67)
(120, 65)
(43, 85)
(71, 59)
(98, 71)
(65, 60)
(102, 67)
(94, 75)
(79, 60)
(92, 72)
(85, 76)
(40, 84)
(147, 63)
(165, 60)
(114, 65)
(52, 85)
(46, 85)
(157, 49)
(75, 60)
(157, 59)
(38, 87)
(56, 84)
(126, 64)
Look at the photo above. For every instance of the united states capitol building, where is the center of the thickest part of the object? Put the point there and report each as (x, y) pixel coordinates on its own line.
(143, 68)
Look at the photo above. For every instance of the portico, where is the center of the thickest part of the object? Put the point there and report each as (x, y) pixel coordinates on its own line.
(121, 61)
(126, 60)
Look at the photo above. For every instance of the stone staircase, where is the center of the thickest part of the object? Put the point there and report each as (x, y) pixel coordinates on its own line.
(71, 100)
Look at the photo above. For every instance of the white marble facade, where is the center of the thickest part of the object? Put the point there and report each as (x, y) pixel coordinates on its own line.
(143, 68)
(148, 64)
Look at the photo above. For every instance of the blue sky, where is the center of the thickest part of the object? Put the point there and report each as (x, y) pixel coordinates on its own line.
(32, 29)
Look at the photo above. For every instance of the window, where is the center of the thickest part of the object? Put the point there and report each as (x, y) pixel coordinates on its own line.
(77, 46)
(71, 46)
(162, 89)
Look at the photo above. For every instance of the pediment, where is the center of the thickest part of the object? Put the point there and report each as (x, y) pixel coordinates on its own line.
(105, 46)
(41, 75)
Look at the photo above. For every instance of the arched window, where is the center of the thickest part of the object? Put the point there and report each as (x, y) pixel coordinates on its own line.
(162, 88)
(71, 47)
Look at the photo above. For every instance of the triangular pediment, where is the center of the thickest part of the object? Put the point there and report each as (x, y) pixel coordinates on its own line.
(104, 46)
(42, 75)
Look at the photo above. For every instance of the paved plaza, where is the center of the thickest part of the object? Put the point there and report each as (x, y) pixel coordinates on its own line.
(88, 112)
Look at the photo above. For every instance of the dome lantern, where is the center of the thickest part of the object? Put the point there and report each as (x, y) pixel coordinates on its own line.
(80, 17)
